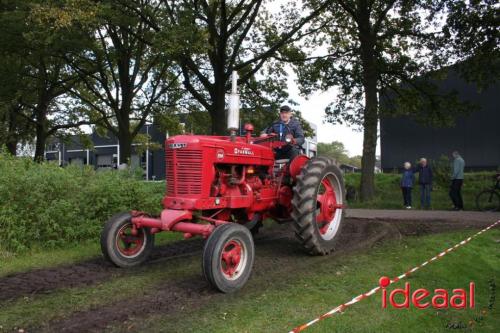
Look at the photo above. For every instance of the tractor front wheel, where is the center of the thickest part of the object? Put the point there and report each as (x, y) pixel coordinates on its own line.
(228, 257)
(318, 201)
(124, 245)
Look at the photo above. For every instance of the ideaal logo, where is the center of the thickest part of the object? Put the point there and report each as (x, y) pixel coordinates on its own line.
(422, 298)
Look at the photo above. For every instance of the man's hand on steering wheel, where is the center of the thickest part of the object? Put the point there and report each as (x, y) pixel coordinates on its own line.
(289, 139)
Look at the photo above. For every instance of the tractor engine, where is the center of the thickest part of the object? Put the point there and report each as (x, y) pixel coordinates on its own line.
(214, 173)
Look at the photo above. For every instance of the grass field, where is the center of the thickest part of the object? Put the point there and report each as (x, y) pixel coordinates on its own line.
(278, 300)
(314, 290)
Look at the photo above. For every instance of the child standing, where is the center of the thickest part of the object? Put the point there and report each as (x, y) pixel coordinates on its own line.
(407, 181)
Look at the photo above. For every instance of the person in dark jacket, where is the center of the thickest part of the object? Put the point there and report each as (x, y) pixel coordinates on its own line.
(407, 181)
(425, 182)
(289, 128)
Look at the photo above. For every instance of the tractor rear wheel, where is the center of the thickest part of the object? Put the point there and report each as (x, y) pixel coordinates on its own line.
(318, 205)
(228, 257)
(123, 246)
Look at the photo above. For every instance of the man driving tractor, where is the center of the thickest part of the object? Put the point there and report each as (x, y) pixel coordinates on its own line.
(289, 130)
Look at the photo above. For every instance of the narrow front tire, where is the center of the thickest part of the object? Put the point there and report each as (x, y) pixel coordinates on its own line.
(228, 257)
(122, 245)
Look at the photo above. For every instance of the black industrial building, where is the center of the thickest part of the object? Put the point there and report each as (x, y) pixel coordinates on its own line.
(476, 136)
(105, 153)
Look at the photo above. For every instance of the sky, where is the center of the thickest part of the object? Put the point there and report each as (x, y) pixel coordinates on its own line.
(313, 110)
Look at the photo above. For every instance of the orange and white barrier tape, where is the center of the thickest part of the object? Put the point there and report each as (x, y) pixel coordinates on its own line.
(358, 298)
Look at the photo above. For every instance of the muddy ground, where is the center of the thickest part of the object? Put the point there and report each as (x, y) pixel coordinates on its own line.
(277, 254)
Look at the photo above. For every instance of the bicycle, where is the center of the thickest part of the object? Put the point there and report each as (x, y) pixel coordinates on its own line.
(489, 200)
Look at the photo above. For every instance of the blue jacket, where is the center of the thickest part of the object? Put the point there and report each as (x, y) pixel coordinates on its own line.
(293, 127)
(424, 174)
(408, 178)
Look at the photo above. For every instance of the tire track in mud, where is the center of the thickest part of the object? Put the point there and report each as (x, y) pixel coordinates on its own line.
(93, 271)
(88, 272)
(96, 270)
(276, 257)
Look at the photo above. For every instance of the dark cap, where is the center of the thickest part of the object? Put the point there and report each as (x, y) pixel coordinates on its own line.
(285, 108)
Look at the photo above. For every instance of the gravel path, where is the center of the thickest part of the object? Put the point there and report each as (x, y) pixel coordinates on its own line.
(422, 215)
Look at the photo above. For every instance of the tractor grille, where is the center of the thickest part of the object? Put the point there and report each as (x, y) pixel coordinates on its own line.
(184, 171)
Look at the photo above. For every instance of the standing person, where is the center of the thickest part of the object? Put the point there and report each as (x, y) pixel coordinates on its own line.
(289, 130)
(425, 182)
(407, 181)
(457, 179)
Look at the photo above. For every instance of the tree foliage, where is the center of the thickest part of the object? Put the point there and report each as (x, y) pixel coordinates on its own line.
(125, 77)
(42, 78)
(471, 37)
(210, 40)
(388, 50)
(338, 152)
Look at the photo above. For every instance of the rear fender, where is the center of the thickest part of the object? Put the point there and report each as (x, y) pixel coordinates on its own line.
(297, 164)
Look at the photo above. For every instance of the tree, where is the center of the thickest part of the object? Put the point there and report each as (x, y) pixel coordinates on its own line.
(378, 48)
(209, 40)
(43, 78)
(15, 129)
(337, 151)
(471, 37)
(126, 78)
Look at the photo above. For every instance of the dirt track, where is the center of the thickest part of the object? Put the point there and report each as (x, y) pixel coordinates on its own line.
(277, 254)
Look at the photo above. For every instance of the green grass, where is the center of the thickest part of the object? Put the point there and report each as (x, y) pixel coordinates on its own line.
(389, 196)
(39, 257)
(294, 298)
(37, 310)
(281, 299)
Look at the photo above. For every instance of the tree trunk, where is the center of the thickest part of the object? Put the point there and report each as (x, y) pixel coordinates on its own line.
(370, 125)
(12, 147)
(124, 135)
(41, 139)
(370, 117)
(41, 130)
(13, 135)
(218, 112)
(125, 141)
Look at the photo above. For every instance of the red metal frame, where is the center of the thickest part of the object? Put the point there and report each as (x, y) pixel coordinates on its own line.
(328, 205)
(129, 241)
(231, 257)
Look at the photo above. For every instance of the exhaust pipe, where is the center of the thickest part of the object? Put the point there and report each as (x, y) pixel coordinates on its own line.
(233, 114)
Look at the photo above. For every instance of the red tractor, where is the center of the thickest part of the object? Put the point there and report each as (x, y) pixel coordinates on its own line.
(222, 188)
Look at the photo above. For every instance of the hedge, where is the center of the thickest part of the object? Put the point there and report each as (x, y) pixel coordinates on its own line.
(50, 206)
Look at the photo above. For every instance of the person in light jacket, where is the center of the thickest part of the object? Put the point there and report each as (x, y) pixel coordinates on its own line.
(457, 179)
(407, 180)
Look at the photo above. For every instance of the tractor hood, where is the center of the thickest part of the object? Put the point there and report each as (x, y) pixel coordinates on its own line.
(220, 149)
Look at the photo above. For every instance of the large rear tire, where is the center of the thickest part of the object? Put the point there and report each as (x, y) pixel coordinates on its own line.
(228, 257)
(318, 202)
(120, 246)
